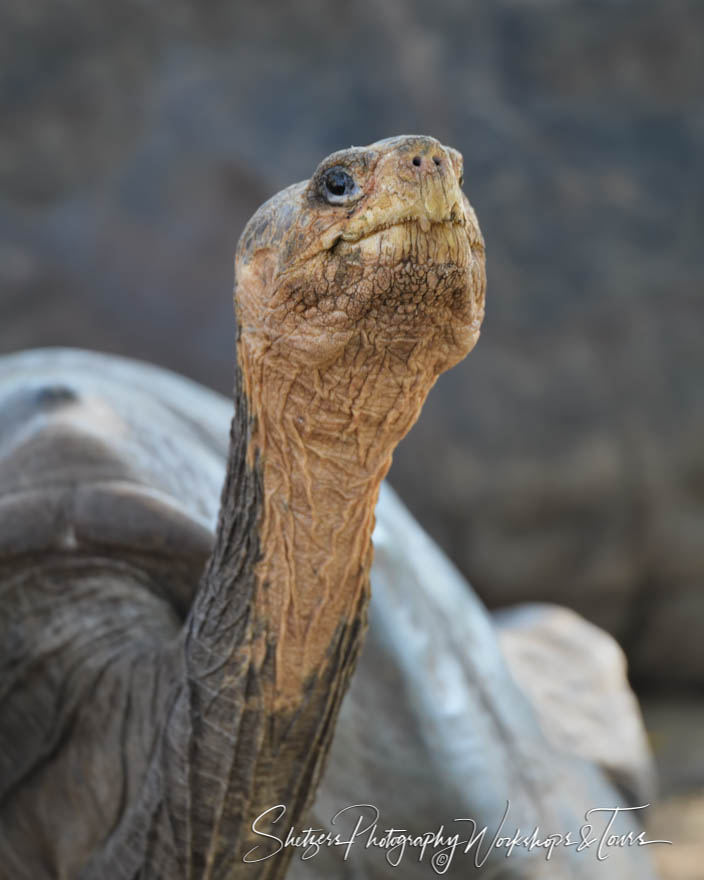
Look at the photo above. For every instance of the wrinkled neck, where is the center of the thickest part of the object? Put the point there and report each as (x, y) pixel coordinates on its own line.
(322, 441)
(275, 630)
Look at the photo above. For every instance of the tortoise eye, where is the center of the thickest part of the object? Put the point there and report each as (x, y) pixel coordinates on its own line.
(338, 186)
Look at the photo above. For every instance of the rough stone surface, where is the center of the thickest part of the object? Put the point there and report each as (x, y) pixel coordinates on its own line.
(565, 463)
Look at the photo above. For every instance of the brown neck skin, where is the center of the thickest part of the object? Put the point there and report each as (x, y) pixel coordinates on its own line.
(274, 632)
(324, 451)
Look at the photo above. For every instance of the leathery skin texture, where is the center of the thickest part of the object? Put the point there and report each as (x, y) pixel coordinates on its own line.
(354, 291)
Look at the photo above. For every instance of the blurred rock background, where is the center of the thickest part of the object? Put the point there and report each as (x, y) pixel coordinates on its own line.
(564, 460)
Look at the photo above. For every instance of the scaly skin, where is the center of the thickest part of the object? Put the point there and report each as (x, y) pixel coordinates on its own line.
(346, 316)
(347, 313)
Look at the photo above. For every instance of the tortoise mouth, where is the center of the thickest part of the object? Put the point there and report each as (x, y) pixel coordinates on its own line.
(424, 223)
(408, 224)
(413, 240)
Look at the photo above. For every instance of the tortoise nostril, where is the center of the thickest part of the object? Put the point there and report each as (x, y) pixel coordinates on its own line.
(436, 159)
(416, 161)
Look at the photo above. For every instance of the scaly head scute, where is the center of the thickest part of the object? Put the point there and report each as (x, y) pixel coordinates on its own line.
(380, 248)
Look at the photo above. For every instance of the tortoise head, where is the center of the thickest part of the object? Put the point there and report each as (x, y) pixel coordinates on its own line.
(380, 249)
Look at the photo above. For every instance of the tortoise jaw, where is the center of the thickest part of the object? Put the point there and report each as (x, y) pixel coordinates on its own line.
(418, 240)
(410, 227)
(455, 217)
(436, 210)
